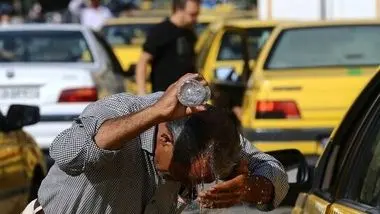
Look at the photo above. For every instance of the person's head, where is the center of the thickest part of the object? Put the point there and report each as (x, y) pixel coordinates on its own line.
(94, 3)
(187, 148)
(187, 11)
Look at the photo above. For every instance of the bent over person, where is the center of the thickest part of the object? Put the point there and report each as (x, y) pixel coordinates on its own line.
(143, 154)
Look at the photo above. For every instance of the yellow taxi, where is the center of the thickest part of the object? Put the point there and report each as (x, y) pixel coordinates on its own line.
(22, 165)
(346, 178)
(305, 78)
(227, 50)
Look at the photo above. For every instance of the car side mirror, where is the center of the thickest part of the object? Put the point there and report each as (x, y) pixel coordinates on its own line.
(19, 116)
(299, 172)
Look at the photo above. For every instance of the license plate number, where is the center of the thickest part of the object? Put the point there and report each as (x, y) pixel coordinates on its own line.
(19, 92)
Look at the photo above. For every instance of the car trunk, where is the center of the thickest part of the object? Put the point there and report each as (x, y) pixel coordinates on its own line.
(39, 85)
(320, 94)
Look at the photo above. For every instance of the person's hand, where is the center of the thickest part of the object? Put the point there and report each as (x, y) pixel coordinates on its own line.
(251, 189)
(168, 105)
(227, 193)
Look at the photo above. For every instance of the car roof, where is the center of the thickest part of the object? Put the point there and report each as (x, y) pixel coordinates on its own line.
(250, 23)
(245, 23)
(133, 20)
(307, 24)
(44, 27)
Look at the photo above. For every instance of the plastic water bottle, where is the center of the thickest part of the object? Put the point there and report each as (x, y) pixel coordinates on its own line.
(193, 93)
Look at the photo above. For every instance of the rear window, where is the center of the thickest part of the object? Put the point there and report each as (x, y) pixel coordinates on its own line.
(326, 46)
(131, 34)
(44, 46)
(232, 44)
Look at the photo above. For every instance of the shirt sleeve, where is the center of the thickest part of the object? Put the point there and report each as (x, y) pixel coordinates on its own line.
(75, 150)
(261, 164)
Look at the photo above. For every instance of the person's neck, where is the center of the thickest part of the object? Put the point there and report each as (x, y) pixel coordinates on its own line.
(176, 20)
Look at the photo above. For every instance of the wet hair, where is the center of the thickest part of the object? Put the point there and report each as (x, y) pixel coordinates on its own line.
(181, 4)
(211, 132)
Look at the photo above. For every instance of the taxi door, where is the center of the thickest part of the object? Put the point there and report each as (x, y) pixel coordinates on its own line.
(14, 185)
(226, 54)
(359, 190)
(226, 66)
(346, 178)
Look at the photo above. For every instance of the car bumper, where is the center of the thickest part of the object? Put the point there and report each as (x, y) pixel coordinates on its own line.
(309, 141)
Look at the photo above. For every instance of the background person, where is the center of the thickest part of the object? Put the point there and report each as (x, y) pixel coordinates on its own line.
(169, 48)
(90, 12)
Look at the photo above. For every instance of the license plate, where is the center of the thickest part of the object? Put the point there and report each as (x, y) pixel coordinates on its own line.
(19, 92)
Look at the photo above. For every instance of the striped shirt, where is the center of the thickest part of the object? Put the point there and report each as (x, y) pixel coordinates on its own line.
(87, 179)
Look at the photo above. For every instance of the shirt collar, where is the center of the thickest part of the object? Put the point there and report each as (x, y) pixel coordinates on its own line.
(148, 140)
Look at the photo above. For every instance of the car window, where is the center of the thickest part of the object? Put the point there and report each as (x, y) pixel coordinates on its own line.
(232, 43)
(129, 34)
(256, 39)
(44, 46)
(364, 184)
(326, 46)
(231, 47)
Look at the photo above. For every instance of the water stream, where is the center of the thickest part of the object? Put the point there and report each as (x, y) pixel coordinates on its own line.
(202, 186)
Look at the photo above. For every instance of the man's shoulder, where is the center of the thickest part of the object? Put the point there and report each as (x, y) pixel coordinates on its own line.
(161, 28)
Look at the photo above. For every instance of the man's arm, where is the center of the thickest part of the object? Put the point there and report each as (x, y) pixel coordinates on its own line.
(267, 183)
(102, 128)
(141, 70)
(106, 125)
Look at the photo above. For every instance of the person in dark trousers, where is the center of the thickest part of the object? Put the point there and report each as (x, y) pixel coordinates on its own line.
(169, 48)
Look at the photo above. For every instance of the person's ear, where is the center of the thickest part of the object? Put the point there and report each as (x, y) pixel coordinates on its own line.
(165, 139)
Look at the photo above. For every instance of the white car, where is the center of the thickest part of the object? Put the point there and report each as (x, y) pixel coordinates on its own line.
(60, 68)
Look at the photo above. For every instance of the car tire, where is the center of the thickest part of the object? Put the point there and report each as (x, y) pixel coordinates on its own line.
(36, 182)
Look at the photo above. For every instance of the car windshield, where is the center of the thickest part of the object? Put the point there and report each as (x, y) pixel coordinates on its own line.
(131, 34)
(231, 47)
(44, 46)
(326, 46)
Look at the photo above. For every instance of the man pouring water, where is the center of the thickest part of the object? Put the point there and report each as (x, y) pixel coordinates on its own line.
(144, 154)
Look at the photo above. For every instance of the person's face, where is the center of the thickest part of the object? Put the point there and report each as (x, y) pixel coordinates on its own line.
(164, 148)
(190, 13)
(198, 170)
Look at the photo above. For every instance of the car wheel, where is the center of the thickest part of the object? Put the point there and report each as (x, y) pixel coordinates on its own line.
(36, 182)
